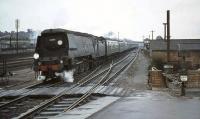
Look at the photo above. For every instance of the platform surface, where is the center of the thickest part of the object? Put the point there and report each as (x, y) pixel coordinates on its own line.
(152, 105)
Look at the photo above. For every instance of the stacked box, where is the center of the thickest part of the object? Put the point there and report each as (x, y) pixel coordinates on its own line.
(156, 78)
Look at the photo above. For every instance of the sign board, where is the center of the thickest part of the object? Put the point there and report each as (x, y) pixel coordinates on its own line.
(167, 66)
(183, 77)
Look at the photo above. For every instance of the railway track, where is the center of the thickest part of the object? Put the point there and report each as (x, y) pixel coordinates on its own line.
(6, 101)
(61, 102)
(16, 64)
(25, 94)
(9, 105)
(9, 90)
(116, 83)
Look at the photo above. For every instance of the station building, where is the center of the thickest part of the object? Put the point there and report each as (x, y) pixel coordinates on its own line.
(184, 56)
(187, 50)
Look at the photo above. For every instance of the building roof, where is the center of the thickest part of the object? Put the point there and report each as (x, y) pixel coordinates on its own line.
(175, 44)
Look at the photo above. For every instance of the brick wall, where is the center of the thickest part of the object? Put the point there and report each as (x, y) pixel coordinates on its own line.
(156, 78)
(192, 58)
(193, 79)
(159, 55)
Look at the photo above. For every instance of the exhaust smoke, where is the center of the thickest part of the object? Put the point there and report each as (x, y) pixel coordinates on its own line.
(67, 76)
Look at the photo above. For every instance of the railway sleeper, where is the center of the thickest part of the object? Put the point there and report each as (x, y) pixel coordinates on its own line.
(59, 107)
(52, 109)
(44, 113)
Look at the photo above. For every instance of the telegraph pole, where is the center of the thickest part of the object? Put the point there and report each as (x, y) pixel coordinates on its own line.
(17, 28)
(10, 40)
(152, 34)
(165, 26)
(168, 35)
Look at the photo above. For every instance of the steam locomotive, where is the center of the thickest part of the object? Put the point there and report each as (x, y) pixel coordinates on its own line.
(59, 51)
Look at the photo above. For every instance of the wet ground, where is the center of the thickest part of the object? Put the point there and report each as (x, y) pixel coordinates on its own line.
(151, 105)
(148, 104)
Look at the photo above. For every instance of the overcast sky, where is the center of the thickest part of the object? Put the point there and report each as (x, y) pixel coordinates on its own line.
(131, 18)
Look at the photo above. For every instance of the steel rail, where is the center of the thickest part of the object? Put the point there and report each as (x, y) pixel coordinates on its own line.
(115, 81)
(30, 86)
(26, 94)
(88, 93)
(17, 63)
(63, 92)
(43, 105)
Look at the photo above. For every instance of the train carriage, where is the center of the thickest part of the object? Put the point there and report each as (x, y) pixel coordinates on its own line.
(112, 46)
(122, 46)
(100, 47)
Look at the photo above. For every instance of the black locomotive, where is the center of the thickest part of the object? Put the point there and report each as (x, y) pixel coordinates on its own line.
(59, 50)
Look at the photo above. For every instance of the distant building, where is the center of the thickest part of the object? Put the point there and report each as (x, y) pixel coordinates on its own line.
(159, 38)
(140, 44)
(187, 50)
(25, 39)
